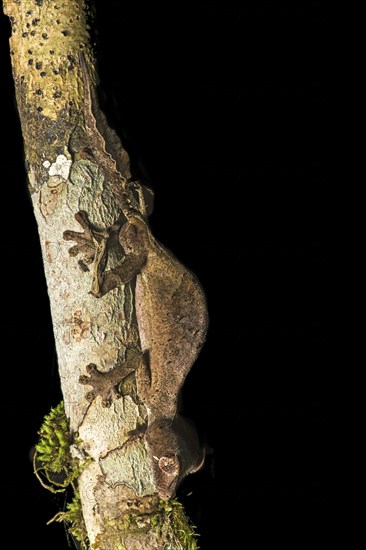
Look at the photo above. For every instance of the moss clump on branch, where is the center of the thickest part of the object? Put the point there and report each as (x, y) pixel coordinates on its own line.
(179, 531)
(168, 523)
(74, 521)
(53, 461)
(52, 458)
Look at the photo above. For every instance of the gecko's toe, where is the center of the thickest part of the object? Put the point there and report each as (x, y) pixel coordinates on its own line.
(91, 368)
(84, 379)
(74, 250)
(106, 403)
(82, 218)
(68, 235)
(90, 396)
(83, 266)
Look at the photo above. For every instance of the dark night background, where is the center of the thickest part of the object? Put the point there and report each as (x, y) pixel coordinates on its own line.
(232, 109)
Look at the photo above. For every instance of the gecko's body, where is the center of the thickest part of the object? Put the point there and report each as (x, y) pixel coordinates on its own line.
(172, 319)
(171, 315)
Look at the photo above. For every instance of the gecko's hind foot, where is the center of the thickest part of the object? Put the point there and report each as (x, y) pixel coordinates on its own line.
(106, 384)
(101, 385)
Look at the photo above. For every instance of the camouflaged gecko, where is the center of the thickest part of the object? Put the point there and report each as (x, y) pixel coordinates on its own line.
(171, 315)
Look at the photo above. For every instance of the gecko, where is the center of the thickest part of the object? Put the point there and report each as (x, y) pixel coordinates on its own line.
(171, 314)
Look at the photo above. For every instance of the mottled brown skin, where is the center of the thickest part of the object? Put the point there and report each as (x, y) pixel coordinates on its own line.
(171, 314)
(170, 308)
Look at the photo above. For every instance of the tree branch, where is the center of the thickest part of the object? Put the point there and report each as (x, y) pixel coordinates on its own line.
(95, 338)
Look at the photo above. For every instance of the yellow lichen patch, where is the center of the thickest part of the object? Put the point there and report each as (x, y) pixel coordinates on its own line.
(46, 38)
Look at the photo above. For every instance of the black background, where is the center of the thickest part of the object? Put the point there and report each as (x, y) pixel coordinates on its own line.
(233, 111)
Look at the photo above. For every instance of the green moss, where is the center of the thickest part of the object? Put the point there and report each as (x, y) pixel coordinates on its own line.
(56, 469)
(74, 521)
(167, 525)
(165, 522)
(53, 464)
(179, 532)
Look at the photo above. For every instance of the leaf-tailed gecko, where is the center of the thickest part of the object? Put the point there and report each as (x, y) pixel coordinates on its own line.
(170, 309)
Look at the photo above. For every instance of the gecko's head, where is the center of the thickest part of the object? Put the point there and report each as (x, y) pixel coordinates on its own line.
(166, 474)
(164, 451)
(175, 452)
(133, 235)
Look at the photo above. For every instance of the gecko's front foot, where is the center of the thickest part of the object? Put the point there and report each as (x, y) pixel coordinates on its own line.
(88, 241)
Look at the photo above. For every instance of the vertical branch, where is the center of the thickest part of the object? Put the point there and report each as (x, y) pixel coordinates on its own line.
(117, 487)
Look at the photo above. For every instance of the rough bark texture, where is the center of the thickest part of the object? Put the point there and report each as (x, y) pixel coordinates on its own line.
(46, 38)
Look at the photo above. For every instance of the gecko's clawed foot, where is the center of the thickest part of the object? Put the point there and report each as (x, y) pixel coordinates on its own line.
(87, 241)
(106, 384)
(101, 385)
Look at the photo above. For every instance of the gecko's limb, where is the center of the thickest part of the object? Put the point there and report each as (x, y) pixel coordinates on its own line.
(106, 384)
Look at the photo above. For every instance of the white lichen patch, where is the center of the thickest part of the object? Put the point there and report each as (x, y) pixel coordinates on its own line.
(77, 452)
(61, 167)
(112, 425)
(129, 466)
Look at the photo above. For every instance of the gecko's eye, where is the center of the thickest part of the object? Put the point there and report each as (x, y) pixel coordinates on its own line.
(169, 465)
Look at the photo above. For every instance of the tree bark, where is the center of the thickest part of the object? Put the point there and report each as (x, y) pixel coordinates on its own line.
(118, 496)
